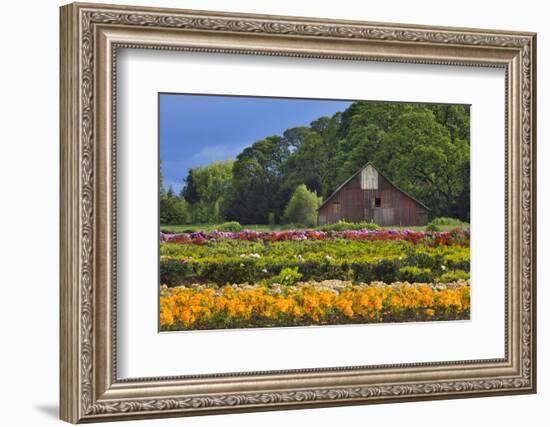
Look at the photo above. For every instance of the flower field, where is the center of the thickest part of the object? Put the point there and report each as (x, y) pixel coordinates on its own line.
(263, 279)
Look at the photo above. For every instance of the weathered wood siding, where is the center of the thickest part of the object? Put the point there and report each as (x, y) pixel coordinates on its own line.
(354, 204)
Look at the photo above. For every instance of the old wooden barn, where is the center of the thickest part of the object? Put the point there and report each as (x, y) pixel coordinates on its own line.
(369, 196)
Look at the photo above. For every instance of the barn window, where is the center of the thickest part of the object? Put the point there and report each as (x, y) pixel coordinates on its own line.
(378, 202)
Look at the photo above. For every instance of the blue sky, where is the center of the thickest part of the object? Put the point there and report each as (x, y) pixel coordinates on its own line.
(198, 129)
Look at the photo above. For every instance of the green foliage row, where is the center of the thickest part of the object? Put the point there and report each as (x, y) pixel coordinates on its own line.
(287, 276)
(288, 262)
(313, 250)
(175, 272)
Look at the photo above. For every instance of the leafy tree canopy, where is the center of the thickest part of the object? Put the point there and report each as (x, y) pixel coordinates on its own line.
(302, 207)
(422, 148)
(207, 189)
(257, 181)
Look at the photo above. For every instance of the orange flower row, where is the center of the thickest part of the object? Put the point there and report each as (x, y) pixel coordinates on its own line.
(258, 306)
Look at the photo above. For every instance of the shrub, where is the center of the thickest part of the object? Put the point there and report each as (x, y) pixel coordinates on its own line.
(458, 260)
(287, 276)
(173, 271)
(453, 276)
(448, 221)
(414, 274)
(385, 270)
(430, 261)
(432, 227)
(343, 226)
(245, 271)
(232, 226)
(302, 207)
(174, 210)
(367, 226)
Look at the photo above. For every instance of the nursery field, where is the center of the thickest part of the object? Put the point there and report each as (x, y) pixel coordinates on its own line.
(247, 279)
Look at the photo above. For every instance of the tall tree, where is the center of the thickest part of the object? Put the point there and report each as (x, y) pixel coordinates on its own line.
(367, 142)
(419, 155)
(257, 179)
(456, 118)
(189, 189)
(208, 190)
(302, 207)
(315, 162)
(380, 114)
(295, 137)
(174, 210)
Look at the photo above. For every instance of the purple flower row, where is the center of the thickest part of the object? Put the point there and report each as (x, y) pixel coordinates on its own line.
(457, 236)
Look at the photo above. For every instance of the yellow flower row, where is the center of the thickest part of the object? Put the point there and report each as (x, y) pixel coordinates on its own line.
(257, 306)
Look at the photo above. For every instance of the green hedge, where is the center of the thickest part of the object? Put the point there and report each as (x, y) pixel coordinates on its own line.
(312, 249)
(178, 272)
(235, 261)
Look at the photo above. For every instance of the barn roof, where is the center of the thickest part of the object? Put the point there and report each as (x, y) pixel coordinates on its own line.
(355, 174)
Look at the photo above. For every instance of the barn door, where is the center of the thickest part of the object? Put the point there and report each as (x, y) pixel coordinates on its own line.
(387, 215)
(384, 216)
(367, 215)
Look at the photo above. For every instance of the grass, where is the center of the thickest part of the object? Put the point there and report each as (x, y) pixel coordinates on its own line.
(187, 228)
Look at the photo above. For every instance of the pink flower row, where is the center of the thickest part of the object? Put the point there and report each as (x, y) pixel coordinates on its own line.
(457, 236)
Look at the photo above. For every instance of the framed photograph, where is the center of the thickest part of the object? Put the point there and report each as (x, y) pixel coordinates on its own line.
(267, 212)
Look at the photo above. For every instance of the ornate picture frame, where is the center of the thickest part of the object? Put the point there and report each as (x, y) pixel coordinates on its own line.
(90, 37)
